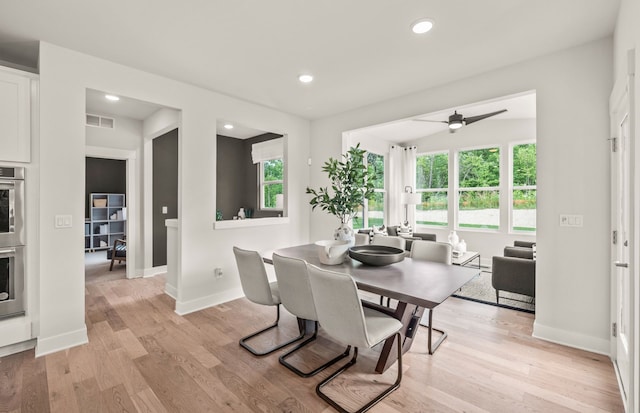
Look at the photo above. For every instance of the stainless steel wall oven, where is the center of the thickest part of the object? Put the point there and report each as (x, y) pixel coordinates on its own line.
(12, 241)
(11, 206)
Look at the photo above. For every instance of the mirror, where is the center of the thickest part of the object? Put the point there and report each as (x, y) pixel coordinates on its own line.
(250, 172)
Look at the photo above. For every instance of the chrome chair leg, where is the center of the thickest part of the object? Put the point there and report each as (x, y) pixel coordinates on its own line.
(284, 362)
(351, 362)
(432, 347)
(243, 340)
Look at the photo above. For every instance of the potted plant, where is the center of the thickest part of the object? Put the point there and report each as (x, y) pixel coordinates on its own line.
(351, 184)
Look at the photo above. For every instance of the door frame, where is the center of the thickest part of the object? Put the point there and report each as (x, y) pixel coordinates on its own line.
(623, 96)
(130, 156)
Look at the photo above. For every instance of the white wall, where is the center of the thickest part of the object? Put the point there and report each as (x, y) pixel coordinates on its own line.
(572, 89)
(65, 75)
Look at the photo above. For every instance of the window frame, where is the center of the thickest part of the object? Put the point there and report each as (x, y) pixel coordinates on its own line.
(365, 205)
(455, 195)
(512, 187)
(447, 190)
(262, 184)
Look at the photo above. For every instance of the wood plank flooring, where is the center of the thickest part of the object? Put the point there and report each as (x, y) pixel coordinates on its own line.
(142, 357)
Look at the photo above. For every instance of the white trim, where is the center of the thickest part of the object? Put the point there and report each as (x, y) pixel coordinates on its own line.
(17, 348)
(571, 339)
(171, 291)
(153, 271)
(251, 222)
(64, 341)
(186, 307)
(15, 330)
(131, 195)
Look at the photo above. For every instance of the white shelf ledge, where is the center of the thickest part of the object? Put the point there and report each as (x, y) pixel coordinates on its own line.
(250, 222)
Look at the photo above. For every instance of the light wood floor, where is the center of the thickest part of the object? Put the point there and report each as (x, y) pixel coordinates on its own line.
(143, 357)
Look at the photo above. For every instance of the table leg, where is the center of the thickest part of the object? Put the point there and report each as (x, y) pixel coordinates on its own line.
(409, 315)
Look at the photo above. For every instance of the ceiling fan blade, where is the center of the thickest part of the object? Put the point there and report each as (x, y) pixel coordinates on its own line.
(472, 119)
(427, 120)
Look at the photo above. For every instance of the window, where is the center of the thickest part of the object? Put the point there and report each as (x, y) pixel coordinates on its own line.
(271, 194)
(523, 189)
(373, 211)
(432, 182)
(478, 188)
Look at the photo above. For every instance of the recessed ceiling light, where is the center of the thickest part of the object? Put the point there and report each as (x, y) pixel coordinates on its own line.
(113, 98)
(228, 126)
(305, 78)
(422, 26)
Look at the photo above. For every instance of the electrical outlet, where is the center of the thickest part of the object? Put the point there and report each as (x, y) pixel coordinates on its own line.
(217, 272)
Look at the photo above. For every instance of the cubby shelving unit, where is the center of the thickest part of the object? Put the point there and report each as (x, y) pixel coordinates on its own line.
(107, 221)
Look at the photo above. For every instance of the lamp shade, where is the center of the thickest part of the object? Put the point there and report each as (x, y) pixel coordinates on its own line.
(410, 198)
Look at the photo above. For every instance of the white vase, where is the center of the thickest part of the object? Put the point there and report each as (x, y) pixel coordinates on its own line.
(462, 246)
(454, 240)
(241, 214)
(344, 233)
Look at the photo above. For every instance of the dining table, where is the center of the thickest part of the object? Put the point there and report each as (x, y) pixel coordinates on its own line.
(415, 284)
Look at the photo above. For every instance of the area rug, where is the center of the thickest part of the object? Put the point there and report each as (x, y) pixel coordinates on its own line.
(480, 290)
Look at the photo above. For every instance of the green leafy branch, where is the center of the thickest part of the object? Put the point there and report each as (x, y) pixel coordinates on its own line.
(351, 183)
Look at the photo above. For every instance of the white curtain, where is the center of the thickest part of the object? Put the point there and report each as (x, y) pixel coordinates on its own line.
(402, 173)
(395, 208)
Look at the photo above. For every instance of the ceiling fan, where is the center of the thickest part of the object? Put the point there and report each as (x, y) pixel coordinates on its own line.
(456, 121)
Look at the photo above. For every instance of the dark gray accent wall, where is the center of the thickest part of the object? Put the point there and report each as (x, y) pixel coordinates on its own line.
(165, 191)
(231, 171)
(104, 176)
(237, 176)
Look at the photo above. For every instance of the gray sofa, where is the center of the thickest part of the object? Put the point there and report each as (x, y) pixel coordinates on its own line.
(515, 271)
(393, 232)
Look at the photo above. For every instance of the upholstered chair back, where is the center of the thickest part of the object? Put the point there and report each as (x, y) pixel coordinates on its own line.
(294, 287)
(431, 251)
(253, 277)
(389, 241)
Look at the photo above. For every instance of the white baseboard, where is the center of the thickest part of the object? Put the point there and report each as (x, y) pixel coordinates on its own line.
(17, 347)
(15, 330)
(150, 272)
(187, 307)
(171, 291)
(572, 339)
(48, 345)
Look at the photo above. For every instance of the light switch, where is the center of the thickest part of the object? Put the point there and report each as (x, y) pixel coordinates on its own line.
(571, 220)
(165, 210)
(63, 221)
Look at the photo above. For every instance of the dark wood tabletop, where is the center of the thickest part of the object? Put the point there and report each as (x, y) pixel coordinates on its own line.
(422, 283)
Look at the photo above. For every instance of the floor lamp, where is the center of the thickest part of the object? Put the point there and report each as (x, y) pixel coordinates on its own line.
(408, 197)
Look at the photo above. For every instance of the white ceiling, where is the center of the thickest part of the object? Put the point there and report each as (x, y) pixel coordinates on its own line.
(522, 106)
(360, 51)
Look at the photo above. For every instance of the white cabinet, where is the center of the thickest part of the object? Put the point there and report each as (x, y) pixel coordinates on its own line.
(107, 221)
(15, 118)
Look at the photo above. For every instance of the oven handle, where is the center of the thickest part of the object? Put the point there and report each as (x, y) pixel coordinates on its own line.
(7, 252)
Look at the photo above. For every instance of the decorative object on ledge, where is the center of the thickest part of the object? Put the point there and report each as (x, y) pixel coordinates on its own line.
(241, 214)
(376, 255)
(219, 215)
(352, 183)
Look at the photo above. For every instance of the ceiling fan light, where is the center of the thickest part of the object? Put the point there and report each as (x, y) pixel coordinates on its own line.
(455, 124)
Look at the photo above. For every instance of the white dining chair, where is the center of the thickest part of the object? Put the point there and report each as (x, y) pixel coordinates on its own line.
(296, 297)
(436, 252)
(389, 241)
(342, 316)
(361, 239)
(256, 287)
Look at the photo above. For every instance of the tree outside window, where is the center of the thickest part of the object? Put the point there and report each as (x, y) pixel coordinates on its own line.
(478, 188)
(524, 189)
(271, 183)
(432, 182)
